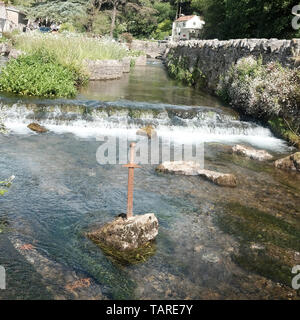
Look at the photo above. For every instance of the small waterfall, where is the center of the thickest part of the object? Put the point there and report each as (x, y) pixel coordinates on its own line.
(91, 119)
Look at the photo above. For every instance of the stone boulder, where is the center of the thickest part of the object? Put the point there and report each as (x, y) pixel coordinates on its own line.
(220, 179)
(191, 168)
(291, 162)
(127, 234)
(187, 168)
(37, 128)
(5, 48)
(147, 131)
(249, 152)
(14, 53)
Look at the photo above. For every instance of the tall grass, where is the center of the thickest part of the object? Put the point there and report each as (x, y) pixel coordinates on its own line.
(71, 49)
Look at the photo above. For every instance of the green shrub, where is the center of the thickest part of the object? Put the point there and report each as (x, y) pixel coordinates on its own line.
(163, 30)
(265, 91)
(67, 26)
(39, 74)
(178, 68)
(101, 24)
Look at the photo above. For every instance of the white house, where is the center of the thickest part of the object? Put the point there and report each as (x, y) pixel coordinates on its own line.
(11, 18)
(187, 28)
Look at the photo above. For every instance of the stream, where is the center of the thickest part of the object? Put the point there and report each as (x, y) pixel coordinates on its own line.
(213, 242)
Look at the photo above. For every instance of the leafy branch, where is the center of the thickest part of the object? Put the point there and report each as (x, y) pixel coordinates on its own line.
(6, 184)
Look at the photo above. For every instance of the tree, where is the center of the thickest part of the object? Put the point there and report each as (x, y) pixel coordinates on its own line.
(141, 18)
(229, 19)
(93, 8)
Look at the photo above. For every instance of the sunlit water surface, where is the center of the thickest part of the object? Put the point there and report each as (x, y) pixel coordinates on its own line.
(60, 192)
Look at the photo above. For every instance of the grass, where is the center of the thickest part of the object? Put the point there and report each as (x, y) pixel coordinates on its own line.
(72, 49)
(53, 65)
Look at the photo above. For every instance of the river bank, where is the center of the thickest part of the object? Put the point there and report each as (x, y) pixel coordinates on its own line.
(56, 65)
(251, 88)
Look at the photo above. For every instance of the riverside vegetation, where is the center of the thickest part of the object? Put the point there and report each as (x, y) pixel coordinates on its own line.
(53, 65)
(224, 19)
(267, 92)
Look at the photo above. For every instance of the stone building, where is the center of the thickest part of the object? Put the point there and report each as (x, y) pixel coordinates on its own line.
(11, 18)
(187, 28)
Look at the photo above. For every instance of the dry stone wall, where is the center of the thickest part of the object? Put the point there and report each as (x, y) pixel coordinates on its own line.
(213, 57)
(153, 49)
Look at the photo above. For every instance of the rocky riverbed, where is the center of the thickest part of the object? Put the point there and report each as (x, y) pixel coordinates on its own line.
(213, 243)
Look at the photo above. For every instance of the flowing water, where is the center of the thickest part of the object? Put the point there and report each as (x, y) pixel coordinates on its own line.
(213, 242)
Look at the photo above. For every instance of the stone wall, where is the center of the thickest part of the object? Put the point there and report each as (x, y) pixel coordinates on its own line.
(153, 49)
(104, 69)
(212, 58)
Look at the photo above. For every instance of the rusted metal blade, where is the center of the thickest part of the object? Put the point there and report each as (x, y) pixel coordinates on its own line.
(131, 166)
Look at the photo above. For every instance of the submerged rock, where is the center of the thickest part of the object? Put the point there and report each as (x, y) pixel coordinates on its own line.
(148, 131)
(246, 151)
(191, 168)
(291, 162)
(210, 257)
(221, 179)
(187, 168)
(127, 234)
(37, 128)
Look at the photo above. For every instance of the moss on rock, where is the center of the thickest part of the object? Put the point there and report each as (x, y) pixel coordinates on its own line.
(281, 129)
(277, 241)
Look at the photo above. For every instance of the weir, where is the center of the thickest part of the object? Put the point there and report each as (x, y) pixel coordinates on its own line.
(94, 118)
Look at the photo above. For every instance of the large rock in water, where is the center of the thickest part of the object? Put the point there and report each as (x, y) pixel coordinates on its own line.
(127, 234)
(221, 179)
(246, 151)
(191, 168)
(187, 168)
(37, 128)
(291, 162)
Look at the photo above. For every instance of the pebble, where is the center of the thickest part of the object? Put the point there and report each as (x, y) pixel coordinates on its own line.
(210, 257)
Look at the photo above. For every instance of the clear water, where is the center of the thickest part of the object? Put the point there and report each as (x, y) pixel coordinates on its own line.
(60, 192)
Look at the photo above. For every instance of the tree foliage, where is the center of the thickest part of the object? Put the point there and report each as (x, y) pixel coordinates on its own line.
(230, 19)
(225, 19)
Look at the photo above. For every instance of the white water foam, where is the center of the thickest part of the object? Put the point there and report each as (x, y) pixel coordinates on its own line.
(205, 127)
(257, 136)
